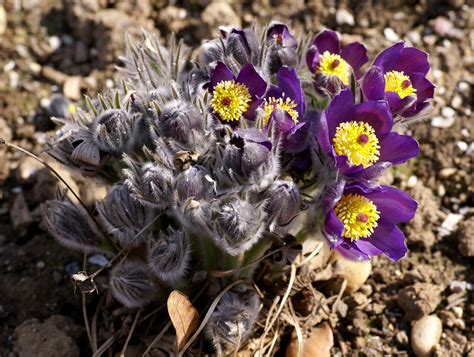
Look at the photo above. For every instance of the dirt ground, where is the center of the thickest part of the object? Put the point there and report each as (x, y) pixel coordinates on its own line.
(71, 47)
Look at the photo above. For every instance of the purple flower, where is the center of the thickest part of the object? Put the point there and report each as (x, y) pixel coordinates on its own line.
(358, 137)
(234, 97)
(398, 75)
(363, 222)
(330, 65)
(281, 48)
(284, 108)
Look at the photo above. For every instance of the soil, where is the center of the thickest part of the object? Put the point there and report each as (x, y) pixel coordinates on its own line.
(54, 46)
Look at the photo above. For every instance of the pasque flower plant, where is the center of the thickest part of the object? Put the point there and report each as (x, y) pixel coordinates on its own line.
(214, 164)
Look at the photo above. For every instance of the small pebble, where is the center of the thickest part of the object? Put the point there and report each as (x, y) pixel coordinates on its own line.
(3, 20)
(460, 324)
(456, 102)
(442, 26)
(463, 86)
(412, 180)
(458, 311)
(447, 172)
(402, 338)
(344, 17)
(40, 265)
(9, 66)
(448, 112)
(98, 259)
(54, 42)
(440, 122)
(462, 145)
(425, 335)
(390, 34)
(465, 133)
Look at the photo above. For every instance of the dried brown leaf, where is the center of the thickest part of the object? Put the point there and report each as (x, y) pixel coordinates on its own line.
(184, 316)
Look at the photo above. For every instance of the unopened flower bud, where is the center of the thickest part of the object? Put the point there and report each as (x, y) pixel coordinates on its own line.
(283, 203)
(169, 255)
(247, 151)
(124, 218)
(281, 48)
(211, 51)
(242, 45)
(113, 131)
(69, 225)
(233, 319)
(131, 285)
(178, 119)
(238, 224)
(196, 183)
(150, 185)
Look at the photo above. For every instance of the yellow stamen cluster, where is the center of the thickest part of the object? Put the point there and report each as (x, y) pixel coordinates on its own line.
(230, 100)
(399, 83)
(357, 141)
(331, 64)
(359, 216)
(287, 105)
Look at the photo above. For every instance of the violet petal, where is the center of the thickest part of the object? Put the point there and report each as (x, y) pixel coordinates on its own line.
(355, 54)
(397, 148)
(375, 113)
(373, 84)
(389, 239)
(388, 58)
(327, 40)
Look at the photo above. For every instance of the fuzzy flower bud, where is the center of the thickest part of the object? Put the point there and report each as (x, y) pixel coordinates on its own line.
(131, 285)
(233, 320)
(238, 224)
(242, 45)
(150, 185)
(112, 131)
(281, 48)
(283, 203)
(178, 119)
(196, 183)
(69, 225)
(169, 255)
(124, 218)
(247, 151)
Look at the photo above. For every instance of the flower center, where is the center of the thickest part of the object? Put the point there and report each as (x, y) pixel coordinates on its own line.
(357, 141)
(287, 105)
(359, 216)
(331, 64)
(279, 39)
(399, 83)
(230, 100)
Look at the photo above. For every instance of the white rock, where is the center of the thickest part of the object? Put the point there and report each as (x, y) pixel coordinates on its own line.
(3, 20)
(448, 112)
(425, 335)
(72, 87)
(411, 182)
(9, 66)
(456, 102)
(440, 122)
(450, 224)
(344, 17)
(54, 42)
(462, 145)
(390, 34)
